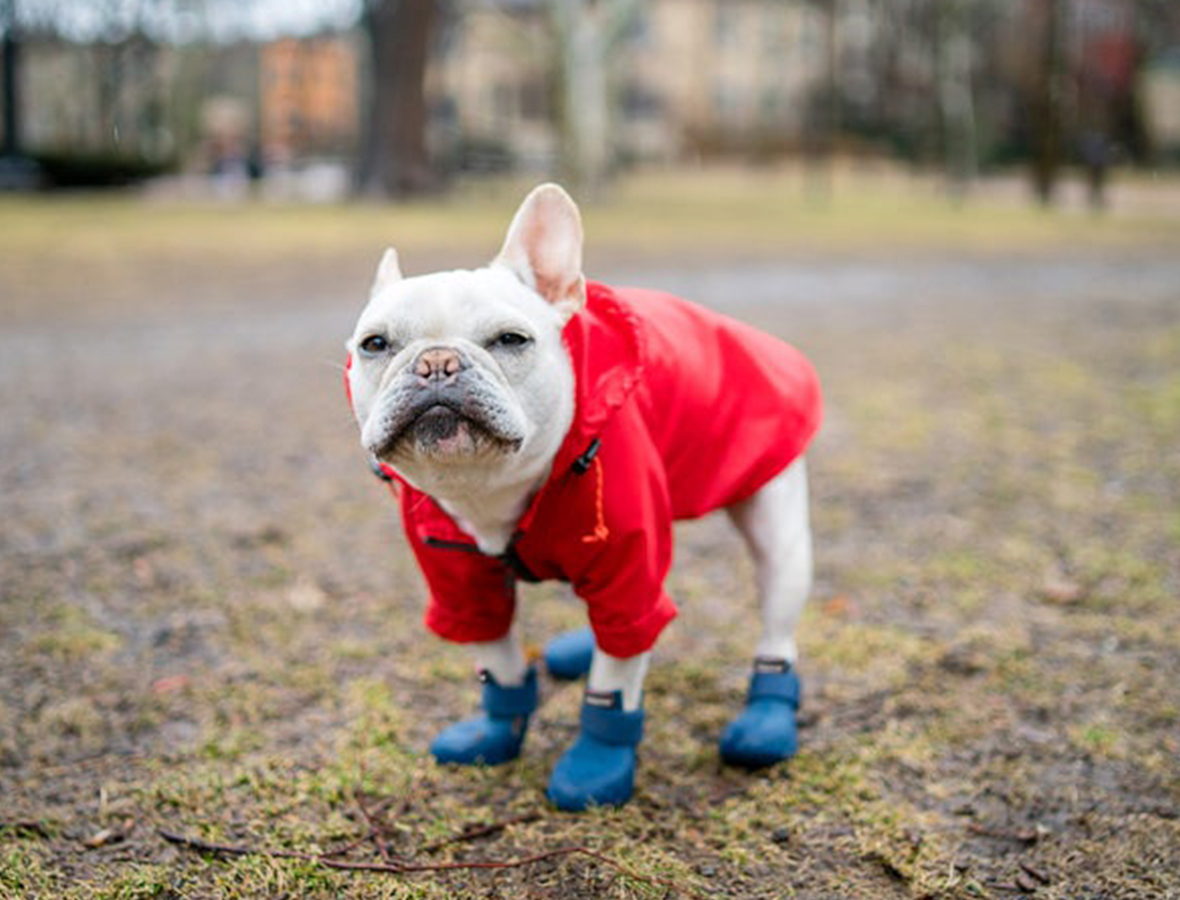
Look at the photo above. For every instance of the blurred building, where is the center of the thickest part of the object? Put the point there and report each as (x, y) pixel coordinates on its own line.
(690, 76)
(702, 76)
(308, 97)
(291, 99)
(490, 88)
(688, 79)
(1161, 89)
(97, 98)
(132, 98)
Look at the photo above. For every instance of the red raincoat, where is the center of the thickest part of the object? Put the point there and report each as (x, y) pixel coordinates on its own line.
(680, 411)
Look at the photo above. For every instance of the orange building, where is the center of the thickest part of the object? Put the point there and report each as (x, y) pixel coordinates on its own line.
(308, 96)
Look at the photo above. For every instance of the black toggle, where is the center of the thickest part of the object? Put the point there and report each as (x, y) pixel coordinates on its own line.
(582, 464)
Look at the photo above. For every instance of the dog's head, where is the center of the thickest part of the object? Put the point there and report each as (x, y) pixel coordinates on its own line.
(467, 368)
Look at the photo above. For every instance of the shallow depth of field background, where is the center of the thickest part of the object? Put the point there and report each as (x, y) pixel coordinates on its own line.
(963, 212)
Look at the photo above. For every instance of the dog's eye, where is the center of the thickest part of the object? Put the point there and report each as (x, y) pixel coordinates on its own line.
(511, 340)
(374, 345)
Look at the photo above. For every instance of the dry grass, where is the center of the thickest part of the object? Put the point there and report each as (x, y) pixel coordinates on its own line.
(208, 622)
(130, 249)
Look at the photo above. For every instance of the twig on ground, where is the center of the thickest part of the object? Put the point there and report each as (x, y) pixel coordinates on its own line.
(1026, 836)
(345, 849)
(1036, 873)
(408, 868)
(476, 832)
(377, 828)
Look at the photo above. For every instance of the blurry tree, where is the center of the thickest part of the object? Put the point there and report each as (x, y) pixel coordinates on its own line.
(822, 125)
(17, 171)
(588, 33)
(11, 72)
(393, 159)
(1044, 88)
(953, 53)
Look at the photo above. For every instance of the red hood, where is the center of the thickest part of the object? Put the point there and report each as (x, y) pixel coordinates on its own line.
(606, 350)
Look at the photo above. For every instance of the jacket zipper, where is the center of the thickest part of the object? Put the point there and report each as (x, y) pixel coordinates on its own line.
(440, 544)
(509, 557)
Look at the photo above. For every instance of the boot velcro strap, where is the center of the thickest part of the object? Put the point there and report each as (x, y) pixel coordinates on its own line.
(775, 686)
(611, 725)
(510, 702)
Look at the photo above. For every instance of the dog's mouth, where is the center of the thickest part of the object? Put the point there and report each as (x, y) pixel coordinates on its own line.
(443, 428)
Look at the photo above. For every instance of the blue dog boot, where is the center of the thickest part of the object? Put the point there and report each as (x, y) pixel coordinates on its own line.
(764, 733)
(568, 656)
(495, 736)
(599, 769)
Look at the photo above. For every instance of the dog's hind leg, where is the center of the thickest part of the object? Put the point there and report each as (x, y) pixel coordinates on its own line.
(776, 526)
(775, 523)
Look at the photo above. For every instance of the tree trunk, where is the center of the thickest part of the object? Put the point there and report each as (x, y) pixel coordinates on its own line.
(821, 139)
(11, 97)
(588, 33)
(955, 97)
(585, 138)
(393, 160)
(1046, 102)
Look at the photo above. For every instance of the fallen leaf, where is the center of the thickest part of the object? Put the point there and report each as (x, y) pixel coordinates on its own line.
(1062, 591)
(170, 683)
(840, 606)
(103, 838)
(143, 570)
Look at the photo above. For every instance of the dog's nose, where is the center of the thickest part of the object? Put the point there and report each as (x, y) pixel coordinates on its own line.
(438, 364)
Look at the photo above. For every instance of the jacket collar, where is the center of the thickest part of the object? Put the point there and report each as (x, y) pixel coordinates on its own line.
(605, 346)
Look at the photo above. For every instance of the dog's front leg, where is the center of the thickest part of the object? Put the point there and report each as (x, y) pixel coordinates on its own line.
(611, 674)
(599, 769)
(509, 699)
(504, 659)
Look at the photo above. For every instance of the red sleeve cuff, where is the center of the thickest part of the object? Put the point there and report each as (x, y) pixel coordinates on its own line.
(464, 628)
(629, 637)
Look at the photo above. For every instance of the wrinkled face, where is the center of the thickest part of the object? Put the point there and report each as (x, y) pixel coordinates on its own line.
(456, 368)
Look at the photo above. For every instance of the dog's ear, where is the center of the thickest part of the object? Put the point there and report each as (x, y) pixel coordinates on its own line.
(388, 271)
(544, 248)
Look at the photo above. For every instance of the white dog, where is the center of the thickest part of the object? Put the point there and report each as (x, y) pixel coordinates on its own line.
(542, 427)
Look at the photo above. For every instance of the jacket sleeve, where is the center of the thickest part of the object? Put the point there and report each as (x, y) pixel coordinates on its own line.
(623, 559)
(472, 596)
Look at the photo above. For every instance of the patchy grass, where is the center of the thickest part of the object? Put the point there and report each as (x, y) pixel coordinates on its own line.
(209, 625)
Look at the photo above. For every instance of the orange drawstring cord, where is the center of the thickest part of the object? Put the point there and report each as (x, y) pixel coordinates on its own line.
(601, 532)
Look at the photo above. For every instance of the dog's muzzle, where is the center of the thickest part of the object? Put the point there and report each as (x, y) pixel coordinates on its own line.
(436, 397)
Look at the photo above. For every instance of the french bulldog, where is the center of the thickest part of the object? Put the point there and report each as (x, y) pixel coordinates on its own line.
(539, 426)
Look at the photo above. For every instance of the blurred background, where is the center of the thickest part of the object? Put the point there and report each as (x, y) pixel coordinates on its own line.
(965, 212)
(392, 98)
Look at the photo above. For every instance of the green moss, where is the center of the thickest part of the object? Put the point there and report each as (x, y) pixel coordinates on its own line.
(73, 636)
(138, 882)
(22, 873)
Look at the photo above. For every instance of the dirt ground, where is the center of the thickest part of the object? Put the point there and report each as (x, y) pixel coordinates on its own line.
(210, 625)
